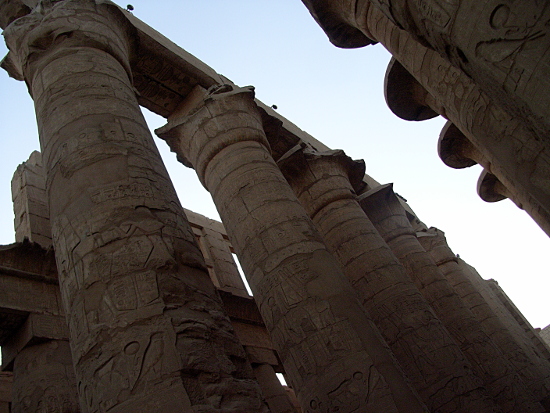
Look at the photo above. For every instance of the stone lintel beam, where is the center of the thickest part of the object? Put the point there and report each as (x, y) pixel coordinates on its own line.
(308, 306)
(37, 328)
(407, 98)
(498, 375)
(406, 321)
(165, 75)
(29, 293)
(456, 150)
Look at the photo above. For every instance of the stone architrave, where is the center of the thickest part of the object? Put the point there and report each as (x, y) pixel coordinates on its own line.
(521, 355)
(388, 216)
(518, 158)
(147, 329)
(424, 348)
(44, 379)
(333, 355)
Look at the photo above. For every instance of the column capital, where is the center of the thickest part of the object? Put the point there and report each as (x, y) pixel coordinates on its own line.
(333, 162)
(405, 96)
(226, 115)
(382, 203)
(433, 241)
(54, 27)
(456, 150)
(490, 189)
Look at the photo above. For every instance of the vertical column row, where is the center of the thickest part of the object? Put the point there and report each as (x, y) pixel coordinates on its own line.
(148, 331)
(429, 356)
(333, 355)
(385, 211)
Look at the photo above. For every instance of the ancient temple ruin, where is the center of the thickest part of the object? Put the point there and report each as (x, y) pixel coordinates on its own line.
(117, 299)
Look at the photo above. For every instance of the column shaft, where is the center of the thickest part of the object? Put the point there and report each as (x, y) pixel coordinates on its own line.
(332, 358)
(385, 211)
(510, 323)
(424, 348)
(522, 357)
(275, 395)
(148, 332)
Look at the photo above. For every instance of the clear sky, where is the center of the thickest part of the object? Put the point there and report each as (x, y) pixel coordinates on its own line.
(337, 96)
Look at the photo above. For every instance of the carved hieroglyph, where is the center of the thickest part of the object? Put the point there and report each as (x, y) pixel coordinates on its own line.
(44, 379)
(148, 332)
(519, 159)
(502, 45)
(428, 354)
(385, 211)
(317, 325)
(527, 363)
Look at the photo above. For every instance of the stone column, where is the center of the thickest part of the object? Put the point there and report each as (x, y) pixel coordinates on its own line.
(535, 339)
(44, 379)
(502, 46)
(334, 357)
(275, 395)
(385, 211)
(518, 158)
(429, 356)
(147, 328)
(526, 363)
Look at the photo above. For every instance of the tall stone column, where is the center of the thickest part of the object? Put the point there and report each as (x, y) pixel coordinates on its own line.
(275, 395)
(424, 348)
(385, 211)
(518, 158)
(44, 379)
(334, 357)
(526, 363)
(510, 323)
(542, 347)
(147, 329)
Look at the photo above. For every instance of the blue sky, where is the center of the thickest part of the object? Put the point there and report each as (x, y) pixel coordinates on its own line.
(337, 96)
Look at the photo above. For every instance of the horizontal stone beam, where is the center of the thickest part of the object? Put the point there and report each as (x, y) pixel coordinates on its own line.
(37, 328)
